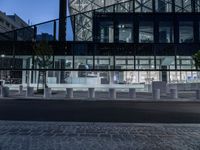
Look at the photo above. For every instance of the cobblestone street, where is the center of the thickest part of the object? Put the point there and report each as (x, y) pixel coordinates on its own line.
(84, 136)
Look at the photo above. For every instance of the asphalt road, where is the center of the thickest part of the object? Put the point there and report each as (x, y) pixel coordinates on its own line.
(100, 111)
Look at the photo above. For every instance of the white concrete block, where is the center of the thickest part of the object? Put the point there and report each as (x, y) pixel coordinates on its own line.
(91, 93)
(156, 94)
(70, 93)
(5, 91)
(30, 91)
(112, 93)
(173, 93)
(47, 92)
(132, 93)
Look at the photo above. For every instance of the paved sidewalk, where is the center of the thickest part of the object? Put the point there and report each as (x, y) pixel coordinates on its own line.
(97, 136)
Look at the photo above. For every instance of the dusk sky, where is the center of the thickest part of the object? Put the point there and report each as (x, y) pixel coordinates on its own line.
(34, 10)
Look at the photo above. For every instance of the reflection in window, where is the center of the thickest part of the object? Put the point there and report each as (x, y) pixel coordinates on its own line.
(143, 6)
(106, 32)
(163, 5)
(197, 5)
(146, 32)
(183, 6)
(125, 33)
(186, 32)
(166, 34)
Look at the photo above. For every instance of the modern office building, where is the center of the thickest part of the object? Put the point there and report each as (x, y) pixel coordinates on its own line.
(116, 42)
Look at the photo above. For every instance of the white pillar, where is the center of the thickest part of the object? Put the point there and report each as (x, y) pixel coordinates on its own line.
(21, 89)
(197, 94)
(4, 91)
(112, 93)
(173, 93)
(30, 91)
(91, 93)
(47, 92)
(156, 94)
(70, 93)
(132, 93)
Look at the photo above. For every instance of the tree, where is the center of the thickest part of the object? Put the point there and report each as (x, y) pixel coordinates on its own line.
(196, 58)
(43, 59)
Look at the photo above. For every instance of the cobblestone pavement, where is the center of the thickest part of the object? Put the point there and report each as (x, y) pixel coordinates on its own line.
(97, 136)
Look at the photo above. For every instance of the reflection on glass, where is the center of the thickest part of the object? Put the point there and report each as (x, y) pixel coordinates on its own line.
(125, 33)
(166, 34)
(197, 5)
(143, 6)
(106, 32)
(163, 5)
(183, 6)
(146, 32)
(186, 32)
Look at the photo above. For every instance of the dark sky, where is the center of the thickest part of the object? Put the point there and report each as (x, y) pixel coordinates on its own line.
(34, 10)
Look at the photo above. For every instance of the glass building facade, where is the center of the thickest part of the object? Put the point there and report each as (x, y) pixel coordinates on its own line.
(110, 42)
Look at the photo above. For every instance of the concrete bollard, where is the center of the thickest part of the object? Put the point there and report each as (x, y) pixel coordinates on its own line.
(156, 94)
(20, 89)
(132, 93)
(91, 93)
(47, 93)
(4, 91)
(197, 94)
(30, 91)
(112, 93)
(70, 93)
(173, 93)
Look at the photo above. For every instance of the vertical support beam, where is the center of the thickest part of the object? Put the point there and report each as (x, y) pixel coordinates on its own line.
(54, 30)
(62, 20)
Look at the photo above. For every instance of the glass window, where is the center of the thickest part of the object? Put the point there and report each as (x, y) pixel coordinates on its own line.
(146, 32)
(197, 5)
(106, 32)
(143, 6)
(183, 6)
(186, 32)
(124, 62)
(145, 62)
(104, 62)
(163, 5)
(166, 33)
(125, 33)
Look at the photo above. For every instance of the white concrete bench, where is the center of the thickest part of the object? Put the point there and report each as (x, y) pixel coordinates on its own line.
(91, 93)
(156, 94)
(29, 91)
(70, 93)
(47, 93)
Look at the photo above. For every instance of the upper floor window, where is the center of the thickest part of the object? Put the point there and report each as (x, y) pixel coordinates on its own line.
(125, 33)
(143, 6)
(146, 32)
(106, 32)
(186, 34)
(197, 5)
(183, 6)
(163, 5)
(166, 32)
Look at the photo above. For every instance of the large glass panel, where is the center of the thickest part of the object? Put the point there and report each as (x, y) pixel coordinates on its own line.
(163, 5)
(186, 32)
(183, 6)
(197, 5)
(166, 32)
(143, 6)
(145, 62)
(63, 62)
(146, 34)
(185, 63)
(125, 32)
(106, 32)
(45, 31)
(124, 62)
(104, 62)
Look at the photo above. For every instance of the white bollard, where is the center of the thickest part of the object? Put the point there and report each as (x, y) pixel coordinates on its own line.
(70, 93)
(132, 93)
(197, 94)
(91, 93)
(47, 92)
(4, 91)
(112, 93)
(156, 94)
(30, 91)
(20, 89)
(173, 93)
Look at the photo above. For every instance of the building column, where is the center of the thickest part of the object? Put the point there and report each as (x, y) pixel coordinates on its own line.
(62, 20)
